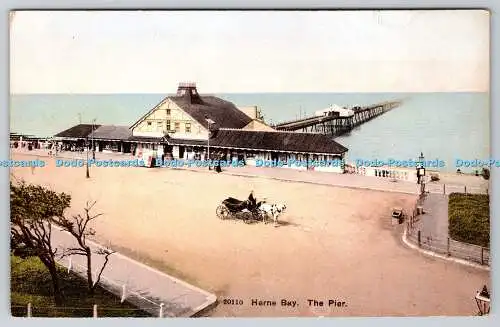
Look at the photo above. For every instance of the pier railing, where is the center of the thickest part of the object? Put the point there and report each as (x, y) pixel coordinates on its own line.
(338, 123)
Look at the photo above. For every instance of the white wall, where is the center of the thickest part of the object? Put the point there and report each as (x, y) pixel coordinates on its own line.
(330, 169)
(394, 173)
(189, 136)
(175, 152)
(147, 134)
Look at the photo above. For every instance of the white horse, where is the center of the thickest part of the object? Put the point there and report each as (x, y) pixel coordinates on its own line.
(272, 211)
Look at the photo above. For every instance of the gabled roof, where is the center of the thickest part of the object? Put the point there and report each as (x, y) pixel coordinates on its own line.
(258, 125)
(222, 112)
(277, 141)
(80, 131)
(112, 132)
(148, 113)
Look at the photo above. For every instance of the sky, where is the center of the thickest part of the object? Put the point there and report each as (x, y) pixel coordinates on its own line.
(240, 52)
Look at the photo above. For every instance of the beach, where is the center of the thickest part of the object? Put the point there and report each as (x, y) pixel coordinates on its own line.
(332, 243)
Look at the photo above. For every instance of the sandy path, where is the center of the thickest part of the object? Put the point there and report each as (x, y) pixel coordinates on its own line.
(337, 243)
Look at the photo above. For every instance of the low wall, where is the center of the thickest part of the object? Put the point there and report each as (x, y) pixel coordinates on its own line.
(389, 173)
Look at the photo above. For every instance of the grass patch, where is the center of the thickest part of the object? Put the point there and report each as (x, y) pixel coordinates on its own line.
(469, 218)
(31, 283)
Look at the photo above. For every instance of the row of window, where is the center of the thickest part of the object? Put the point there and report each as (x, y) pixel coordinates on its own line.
(177, 126)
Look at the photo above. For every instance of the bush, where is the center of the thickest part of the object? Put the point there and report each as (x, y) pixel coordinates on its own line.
(434, 177)
(469, 218)
(485, 173)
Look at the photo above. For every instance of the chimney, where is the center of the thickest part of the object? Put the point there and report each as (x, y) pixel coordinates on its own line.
(189, 92)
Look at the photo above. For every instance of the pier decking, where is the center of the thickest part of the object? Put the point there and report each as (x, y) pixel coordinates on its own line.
(336, 125)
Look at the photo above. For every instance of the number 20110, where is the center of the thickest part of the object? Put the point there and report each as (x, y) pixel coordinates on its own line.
(233, 301)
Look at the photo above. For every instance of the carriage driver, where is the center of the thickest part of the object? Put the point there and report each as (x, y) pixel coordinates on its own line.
(253, 201)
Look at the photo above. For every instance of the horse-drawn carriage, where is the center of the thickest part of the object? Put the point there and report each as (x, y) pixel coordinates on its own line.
(249, 210)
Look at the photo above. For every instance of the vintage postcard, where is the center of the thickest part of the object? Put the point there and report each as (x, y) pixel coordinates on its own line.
(250, 163)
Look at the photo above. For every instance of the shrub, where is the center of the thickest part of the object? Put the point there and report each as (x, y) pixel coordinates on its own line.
(485, 173)
(434, 177)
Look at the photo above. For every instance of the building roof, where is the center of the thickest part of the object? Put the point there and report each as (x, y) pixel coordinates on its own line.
(224, 138)
(112, 132)
(222, 112)
(189, 142)
(80, 131)
(258, 125)
(277, 141)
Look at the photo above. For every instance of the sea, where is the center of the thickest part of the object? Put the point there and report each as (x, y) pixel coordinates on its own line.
(446, 127)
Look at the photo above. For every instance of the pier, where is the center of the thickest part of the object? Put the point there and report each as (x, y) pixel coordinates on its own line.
(335, 123)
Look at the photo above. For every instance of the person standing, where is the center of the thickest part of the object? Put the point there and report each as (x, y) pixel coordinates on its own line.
(218, 168)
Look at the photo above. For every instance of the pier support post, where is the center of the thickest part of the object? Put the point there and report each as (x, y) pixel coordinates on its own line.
(419, 242)
(444, 189)
(95, 311)
(482, 255)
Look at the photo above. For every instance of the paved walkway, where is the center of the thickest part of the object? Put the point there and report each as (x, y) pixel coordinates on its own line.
(434, 221)
(145, 287)
(284, 174)
(434, 235)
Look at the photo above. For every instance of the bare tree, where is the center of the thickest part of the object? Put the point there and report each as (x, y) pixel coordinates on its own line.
(79, 227)
(32, 210)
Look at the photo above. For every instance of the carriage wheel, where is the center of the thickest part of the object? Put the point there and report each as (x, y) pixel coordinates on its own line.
(248, 218)
(222, 212)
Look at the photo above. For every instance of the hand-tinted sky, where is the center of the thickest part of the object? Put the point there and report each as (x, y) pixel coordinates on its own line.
(150, 52)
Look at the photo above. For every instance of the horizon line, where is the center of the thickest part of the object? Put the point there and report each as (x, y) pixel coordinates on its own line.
(246, 92)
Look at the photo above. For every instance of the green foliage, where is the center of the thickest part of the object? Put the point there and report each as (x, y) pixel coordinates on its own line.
(32, 211)
(485, 173)
(469, 218)
(31, 283)
(30, 203)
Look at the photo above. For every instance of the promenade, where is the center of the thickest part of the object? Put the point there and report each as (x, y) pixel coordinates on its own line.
(474, 185)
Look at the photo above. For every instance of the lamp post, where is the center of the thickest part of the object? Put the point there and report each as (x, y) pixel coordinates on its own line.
(421, 173)
(93, 150)
(483, 301)
(209, 122)
(87, 165)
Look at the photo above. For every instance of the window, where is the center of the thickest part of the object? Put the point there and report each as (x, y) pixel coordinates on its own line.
(177, 126)
(188, 127)
(168, 112)
(168, 125)
(159, 126)
(149, 123)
